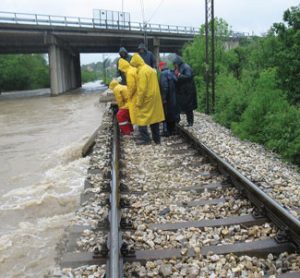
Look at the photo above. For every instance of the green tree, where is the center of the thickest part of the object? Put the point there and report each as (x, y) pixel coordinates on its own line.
(194, 55)
(88, 76)
(270, 120)
(103, 70)
(288, 55)
(257, 84)
(264, 101)
(23, 72)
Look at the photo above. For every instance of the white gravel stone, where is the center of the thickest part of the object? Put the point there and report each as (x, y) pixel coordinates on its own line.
(277, 178)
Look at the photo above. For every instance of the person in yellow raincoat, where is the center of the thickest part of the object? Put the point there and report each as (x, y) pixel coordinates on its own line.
(149, 108)
(131, 79)
(121, 95)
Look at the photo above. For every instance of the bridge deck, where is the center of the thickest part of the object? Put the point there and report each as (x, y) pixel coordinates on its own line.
(34, 33)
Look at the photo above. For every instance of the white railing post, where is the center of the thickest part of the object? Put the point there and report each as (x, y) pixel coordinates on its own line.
(36, 19)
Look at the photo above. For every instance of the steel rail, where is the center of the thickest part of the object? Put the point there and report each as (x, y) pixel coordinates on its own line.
(282, 218)
(115, 262)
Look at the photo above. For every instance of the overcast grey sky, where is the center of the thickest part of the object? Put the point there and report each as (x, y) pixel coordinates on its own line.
(242, 15)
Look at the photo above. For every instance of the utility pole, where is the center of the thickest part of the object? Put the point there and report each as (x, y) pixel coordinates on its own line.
(210, 56)
(145, 34)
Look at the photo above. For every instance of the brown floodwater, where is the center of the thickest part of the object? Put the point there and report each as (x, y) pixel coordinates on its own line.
(41, 173)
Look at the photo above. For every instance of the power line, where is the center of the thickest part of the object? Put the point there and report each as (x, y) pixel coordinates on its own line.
(155, 10)
(152, 15)
(145, 22)
(142, 10)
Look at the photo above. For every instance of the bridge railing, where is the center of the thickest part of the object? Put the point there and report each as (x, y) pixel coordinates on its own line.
(69, 21)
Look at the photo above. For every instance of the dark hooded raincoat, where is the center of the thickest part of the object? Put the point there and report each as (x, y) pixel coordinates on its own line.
(186, 95)
(168, 92)
(127, 58)
(147, 56)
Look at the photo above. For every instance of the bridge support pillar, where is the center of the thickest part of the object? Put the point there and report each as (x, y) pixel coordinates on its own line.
(156, 44)
(64, 70)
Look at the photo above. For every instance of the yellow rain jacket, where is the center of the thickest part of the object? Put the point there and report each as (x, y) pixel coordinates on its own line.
(131, 82)
(149, 108)
(120, 92)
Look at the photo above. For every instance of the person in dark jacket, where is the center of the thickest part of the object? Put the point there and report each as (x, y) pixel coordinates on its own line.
(147, 56)
(168, 92)
(186, 95)
(123, 54)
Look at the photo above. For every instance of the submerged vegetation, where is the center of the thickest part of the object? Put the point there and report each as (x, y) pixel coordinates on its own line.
(257, 84)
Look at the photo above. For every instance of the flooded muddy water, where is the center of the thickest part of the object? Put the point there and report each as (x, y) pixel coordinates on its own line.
(41, 173)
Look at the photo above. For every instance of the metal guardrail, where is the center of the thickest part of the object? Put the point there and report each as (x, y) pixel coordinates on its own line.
(67, 21)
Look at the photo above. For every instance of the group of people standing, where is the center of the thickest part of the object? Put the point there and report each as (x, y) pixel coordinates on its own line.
(143, 100)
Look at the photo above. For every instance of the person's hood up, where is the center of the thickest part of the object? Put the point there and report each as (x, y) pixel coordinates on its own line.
(123, 65)
(177, 60)
(113, 84)
(123, 49)
(137, 61)
(142, 46)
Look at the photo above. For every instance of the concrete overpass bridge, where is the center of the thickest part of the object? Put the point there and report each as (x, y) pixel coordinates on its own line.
(64, 38)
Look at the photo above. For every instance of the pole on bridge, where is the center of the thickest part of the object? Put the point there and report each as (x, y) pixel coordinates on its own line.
(209, 56)
(145, 34)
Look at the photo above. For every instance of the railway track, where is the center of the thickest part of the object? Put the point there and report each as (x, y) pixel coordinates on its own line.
(176, 210)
